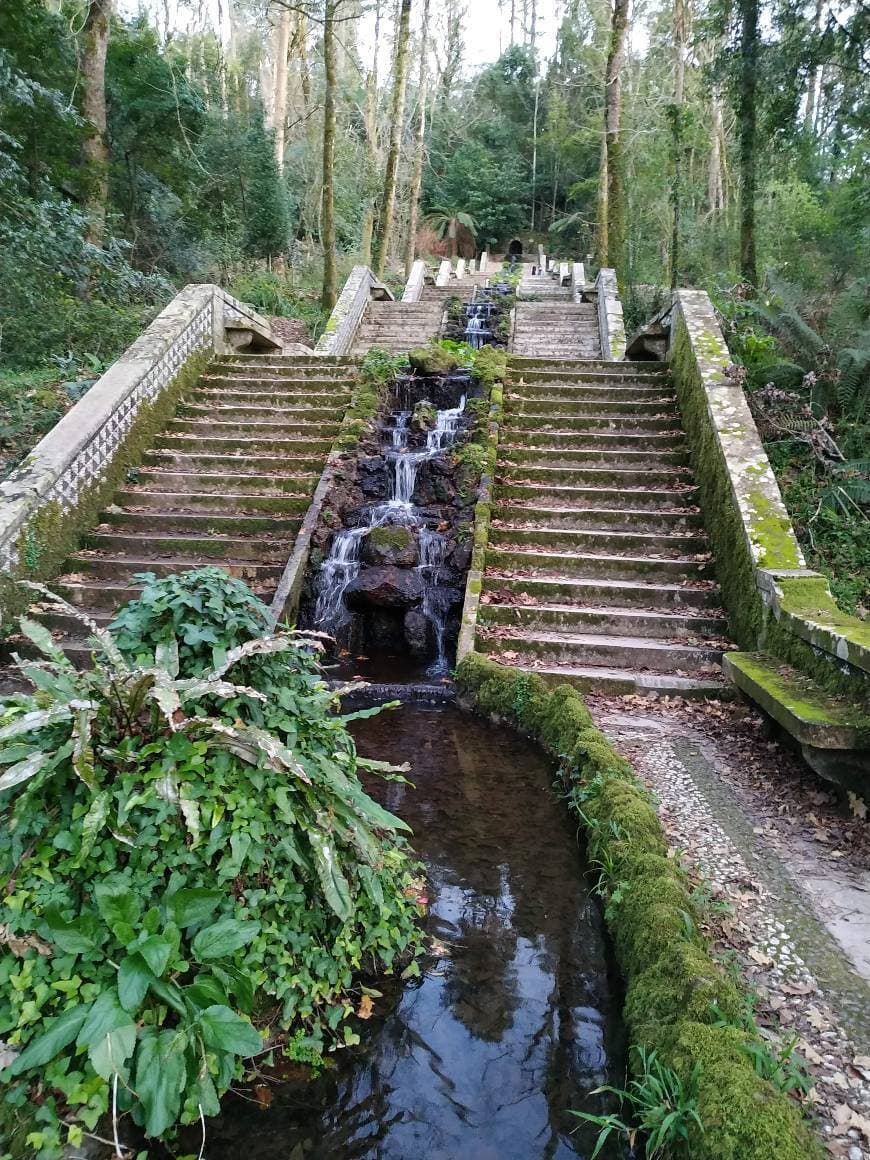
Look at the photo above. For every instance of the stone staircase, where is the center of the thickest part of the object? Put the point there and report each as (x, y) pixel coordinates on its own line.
(556, 329)
(399, 326)
(227, 484)
(598, 571)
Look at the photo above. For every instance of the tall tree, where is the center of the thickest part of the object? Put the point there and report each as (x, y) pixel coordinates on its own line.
(419, 144)
(327, 209)
(368, 223)
(677, 113)
(747, 113)
(397, 115)
(281, 42)
(612, 228)
(95, 146)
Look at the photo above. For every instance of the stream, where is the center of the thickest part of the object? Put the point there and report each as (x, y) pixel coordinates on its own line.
(515, 1023)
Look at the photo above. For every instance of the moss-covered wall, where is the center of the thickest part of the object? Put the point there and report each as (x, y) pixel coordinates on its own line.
(676, 992)
(774, 603)
(51, 534)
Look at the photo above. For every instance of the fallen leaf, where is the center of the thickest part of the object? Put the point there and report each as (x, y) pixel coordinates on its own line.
(366, 1008)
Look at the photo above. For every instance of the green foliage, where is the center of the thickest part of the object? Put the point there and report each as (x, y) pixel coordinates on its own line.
(274, 294)
(664, 1109)
(194, 862)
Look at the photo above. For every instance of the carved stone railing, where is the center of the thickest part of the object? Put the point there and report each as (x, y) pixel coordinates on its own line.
(416, 281)
(347, 314)
(578, 280)
(460, 268)
(611, 325)
(442, 278)
(483, 264)
(76, 456)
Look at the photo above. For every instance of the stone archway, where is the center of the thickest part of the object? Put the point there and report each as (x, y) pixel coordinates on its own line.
(515, 248)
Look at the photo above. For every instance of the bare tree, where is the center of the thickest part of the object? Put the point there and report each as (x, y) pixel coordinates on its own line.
(368, 224)
(327, 213)
(279, 90)
(95, 147)
(397, 114)
(420, 143)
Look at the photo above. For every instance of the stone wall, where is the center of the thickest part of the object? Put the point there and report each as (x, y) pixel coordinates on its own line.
(610, 322)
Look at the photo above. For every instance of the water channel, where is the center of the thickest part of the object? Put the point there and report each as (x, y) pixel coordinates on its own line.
(514, 1022)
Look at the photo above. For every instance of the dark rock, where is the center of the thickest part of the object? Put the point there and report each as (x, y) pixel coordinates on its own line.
(389, 546)
(425, 416)
(460, 557)
(384, 588)
(417, 634)
(373, 476)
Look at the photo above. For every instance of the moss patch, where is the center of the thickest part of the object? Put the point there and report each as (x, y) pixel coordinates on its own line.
(676, 991)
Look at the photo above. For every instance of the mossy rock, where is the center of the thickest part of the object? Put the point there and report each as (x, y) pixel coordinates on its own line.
(627, 810)
(744, 1116)
(682, 983)
(425, 416)
(390, 547)
(432, 360)
(564, 719)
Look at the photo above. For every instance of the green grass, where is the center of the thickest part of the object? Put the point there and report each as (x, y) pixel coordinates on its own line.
(31, 402)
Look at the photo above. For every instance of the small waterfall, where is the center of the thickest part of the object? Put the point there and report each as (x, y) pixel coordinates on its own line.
(343, 564)
(477, 330)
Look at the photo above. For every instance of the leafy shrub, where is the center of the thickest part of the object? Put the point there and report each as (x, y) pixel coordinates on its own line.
(274, 294)
(193, 871)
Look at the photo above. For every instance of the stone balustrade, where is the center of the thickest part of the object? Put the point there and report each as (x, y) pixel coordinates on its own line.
(347, 314)
(610, 321)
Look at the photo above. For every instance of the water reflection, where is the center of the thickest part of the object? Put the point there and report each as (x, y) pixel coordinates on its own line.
(482, 1058)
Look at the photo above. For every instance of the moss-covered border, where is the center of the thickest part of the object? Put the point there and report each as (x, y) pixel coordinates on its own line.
(676, 992)
(51, 534)
(774, 603)
(494, 380)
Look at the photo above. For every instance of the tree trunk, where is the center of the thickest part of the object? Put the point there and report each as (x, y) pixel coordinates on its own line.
(327, 212)
(397, 113)
(95, 149)
(747, 117)
(715, 180)
(535, 153)
(368, 224)
(279, 93)
(601, 232)
(419, 147)
(680, 34)
(616, 209)
(513, 20)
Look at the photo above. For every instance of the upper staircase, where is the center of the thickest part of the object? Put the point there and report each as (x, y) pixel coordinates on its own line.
(227, 484)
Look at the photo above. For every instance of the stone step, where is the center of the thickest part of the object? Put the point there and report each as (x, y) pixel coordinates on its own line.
(268, 399)
(655, 545)
(606, 591)
(263, 485)
(624, 681)
(615, 519)
(301, 361)
(592, 565)
(200, 445)
(526, 407)
(558, 421)
(96, 597)
(591, 649)
(233, 503)
(225, 412)
(262, 383)
(605, 374)
(570, 495)
(523, 362)
(259, 433)
(207, 462)
(525, 438)
(270, 549)
(616, 478)
(595, 391)
(159, 521)
(590, 456)
(115, 569)
(611, 620)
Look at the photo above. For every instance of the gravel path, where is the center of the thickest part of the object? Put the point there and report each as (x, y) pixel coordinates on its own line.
(784, 869)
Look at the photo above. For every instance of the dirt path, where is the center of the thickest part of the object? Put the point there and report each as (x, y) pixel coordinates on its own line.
(784, 870)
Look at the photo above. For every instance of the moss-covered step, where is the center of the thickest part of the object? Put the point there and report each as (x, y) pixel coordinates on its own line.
(519, 404)
(101, 596)
(261, 381)
(230, 480)
(265, 431)
(120, 568)
(298, 362)
(213, 546)
(616, 478)
(597, 496)
(833, 732)
(651, 544)
(534, 420)
(576, 565)
(246, 413)
(562, 374)
(257, 465)
(197, 444)
(621, 682)
(221, 503)
(608, 592)
(626, 518)
(595, 391)
(517, 363)
(160, 522)
(588, 456)
(661, 625)
(515, 436)
(590, 648)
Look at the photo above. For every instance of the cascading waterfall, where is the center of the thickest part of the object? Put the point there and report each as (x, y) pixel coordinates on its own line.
(343, 564)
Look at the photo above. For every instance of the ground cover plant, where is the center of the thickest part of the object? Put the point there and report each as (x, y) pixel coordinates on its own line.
(193, 872)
